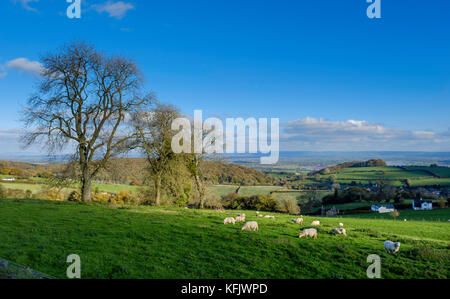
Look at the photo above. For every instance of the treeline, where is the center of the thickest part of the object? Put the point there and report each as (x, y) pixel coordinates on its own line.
(132, 171)
(369, 163)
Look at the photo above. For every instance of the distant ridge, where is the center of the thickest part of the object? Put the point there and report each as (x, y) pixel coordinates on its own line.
(369, 163)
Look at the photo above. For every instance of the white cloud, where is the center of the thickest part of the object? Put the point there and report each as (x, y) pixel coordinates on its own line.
(114, 9)
(320, 134)
(24, 65)
(3, 72)
(25, 4)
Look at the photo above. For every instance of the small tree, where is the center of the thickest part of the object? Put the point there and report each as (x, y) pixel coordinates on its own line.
(442, 202)
(394, 214)
(82, 103)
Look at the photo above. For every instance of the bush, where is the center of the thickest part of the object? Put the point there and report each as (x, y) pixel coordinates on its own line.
(51, 194)
(102, 197)
(211, 202)
(125, 197)
(394, 214)
(75, 196)
(3, 193)
(28, 194)
(15, 193)
(288, 205)
(254, 202)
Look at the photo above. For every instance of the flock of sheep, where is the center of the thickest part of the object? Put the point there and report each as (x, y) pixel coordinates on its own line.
(307, 232)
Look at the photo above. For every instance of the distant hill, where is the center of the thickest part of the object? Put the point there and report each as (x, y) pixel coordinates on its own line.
(369, 163)
(224, 173)
(132, 171)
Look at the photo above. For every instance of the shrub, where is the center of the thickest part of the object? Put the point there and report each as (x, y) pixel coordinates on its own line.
(3, 193)
(265, 203)
(254, 202)
(126, 197)
(442, 202)
(394, 214)
(28, 194)
(75, 196)
(15, 193)
(102, 197)
(51, 194)
(144, 196)
(288, 205)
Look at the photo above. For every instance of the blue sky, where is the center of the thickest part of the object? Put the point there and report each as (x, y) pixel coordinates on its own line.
(336, 79)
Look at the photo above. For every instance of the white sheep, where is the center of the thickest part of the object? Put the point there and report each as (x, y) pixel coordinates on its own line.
(260, 215)
(229, 220)
(315, 223)
(251, 226)
(269, 217)
(309, 232)
(240, 218)
(298, 220)
(339, 231)
(392, 246)
(341, 224)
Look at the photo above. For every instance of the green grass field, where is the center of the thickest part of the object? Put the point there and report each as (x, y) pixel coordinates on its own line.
(148, 242)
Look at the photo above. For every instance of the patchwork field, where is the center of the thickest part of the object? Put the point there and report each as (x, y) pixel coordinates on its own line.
(148, 242)
(417, 176)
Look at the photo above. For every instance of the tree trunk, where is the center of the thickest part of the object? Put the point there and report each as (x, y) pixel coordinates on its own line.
(158, 190)
(201, 191)
(86, 183)
(86, 190)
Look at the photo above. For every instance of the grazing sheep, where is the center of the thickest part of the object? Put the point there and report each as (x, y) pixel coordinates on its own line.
(269, 217)
(309, 232)
(229, 220)
(298, 220)
(251, 226)
(341, 224)
(392, 246)
(339, 231)
(240, 218)
(315, 223)
(405, 220)
(260, 215)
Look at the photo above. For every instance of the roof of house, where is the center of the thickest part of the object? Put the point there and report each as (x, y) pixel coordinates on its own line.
(421, 202)
(387, 206)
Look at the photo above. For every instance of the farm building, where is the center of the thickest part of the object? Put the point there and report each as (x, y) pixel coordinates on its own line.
(383, 208)
(328, 212)
(422, 205)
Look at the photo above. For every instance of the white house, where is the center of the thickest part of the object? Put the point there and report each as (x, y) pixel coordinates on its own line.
(422, 205)
(383, 208)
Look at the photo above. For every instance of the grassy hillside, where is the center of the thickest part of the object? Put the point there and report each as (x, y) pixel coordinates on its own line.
(417, 176)
(145, 242)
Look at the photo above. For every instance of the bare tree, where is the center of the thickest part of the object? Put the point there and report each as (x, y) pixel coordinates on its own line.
(83, 101)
